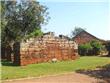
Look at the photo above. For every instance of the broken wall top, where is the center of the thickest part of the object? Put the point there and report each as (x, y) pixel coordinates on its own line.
(49, 38)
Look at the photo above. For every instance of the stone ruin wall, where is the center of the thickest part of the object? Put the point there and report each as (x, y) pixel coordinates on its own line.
(45, 48)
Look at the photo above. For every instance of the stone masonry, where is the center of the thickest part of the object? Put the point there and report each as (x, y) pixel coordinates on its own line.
(44, 49)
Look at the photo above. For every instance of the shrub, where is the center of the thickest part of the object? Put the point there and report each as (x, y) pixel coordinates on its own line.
(92, 48)
(97, 47)
(85, 49)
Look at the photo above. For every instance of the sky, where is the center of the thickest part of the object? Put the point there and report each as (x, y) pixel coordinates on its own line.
(68, 14)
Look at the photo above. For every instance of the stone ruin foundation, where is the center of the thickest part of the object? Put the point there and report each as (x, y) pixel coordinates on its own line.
(44, 49)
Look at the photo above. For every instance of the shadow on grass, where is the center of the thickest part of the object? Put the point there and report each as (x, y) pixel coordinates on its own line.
(8, 63)
(105, 56)
(101, 73)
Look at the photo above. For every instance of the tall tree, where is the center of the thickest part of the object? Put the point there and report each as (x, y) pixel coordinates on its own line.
(22, 19)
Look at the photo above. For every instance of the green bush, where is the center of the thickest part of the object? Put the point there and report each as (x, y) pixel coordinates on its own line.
(92, 48)
(85, 49)
(97, 47)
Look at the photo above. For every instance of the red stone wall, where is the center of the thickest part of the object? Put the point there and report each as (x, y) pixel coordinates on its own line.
(44, 49)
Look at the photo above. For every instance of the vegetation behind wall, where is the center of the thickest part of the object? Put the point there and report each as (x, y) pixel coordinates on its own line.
(92, 48)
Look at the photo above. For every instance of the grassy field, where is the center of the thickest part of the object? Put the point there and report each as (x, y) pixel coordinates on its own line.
(35, 70)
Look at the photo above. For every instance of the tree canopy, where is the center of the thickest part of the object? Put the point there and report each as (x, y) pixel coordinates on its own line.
(22, 19)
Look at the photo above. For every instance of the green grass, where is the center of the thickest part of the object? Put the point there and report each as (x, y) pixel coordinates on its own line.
(35, 70)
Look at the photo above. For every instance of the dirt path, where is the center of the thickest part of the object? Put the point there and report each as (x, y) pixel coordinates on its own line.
(64, 78)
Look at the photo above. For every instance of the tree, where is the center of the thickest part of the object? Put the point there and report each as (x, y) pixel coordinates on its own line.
(19, 20)
(76, 31)
(22, 19)
(97, 46)
(2, 21)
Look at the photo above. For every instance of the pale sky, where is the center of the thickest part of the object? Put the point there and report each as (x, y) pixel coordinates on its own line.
(65, 15)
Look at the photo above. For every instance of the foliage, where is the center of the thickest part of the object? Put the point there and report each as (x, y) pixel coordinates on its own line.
(22, 19)
(92, 48)
(108, 48)
(35, 33)
(76, 31)
(85, 49)
(33, 70)
(97, 46)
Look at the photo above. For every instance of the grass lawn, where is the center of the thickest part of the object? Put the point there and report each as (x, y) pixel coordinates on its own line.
(12, 72)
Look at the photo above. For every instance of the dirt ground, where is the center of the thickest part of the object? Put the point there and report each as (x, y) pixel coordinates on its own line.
(63, 78)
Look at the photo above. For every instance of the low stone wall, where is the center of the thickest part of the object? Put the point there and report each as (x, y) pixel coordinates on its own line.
(46, 48)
